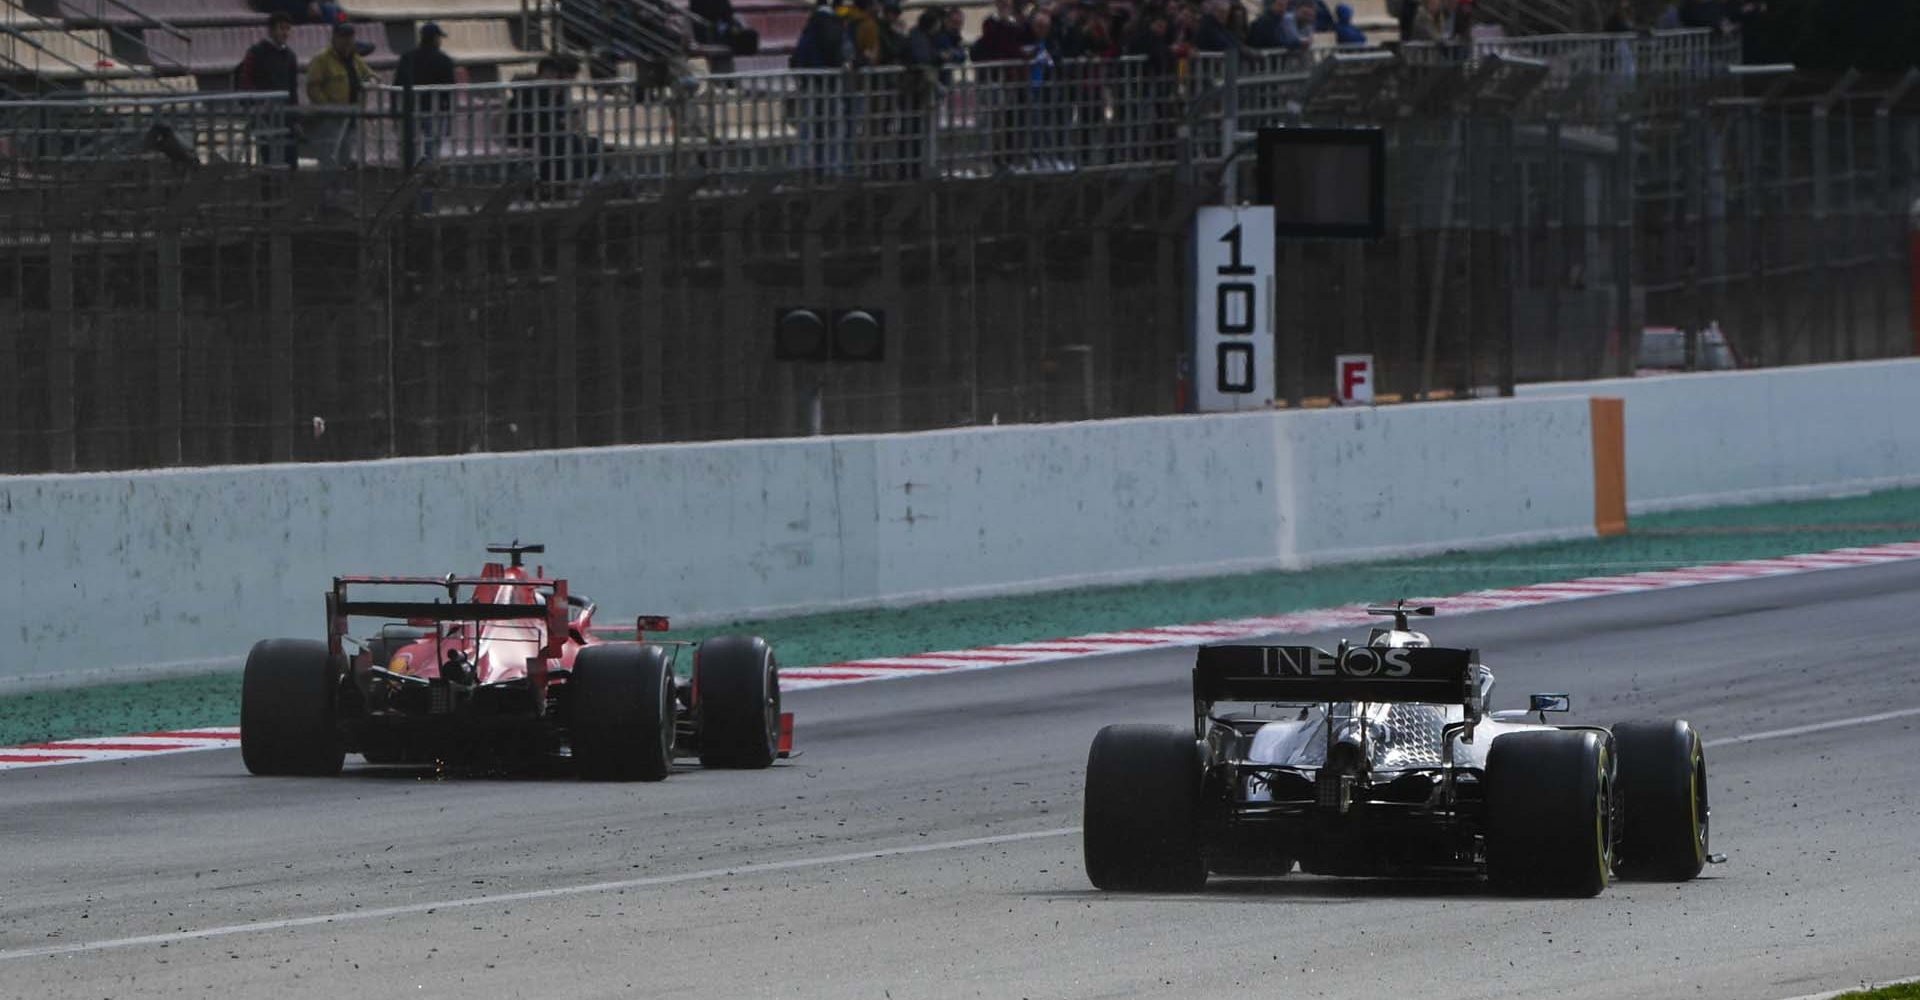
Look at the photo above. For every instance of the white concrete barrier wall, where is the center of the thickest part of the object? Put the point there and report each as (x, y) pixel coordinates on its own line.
(1411, 480)
(1706, 439)
(145, 572)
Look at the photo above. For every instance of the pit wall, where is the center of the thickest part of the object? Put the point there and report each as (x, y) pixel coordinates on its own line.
(110, 575)
(1711, 439)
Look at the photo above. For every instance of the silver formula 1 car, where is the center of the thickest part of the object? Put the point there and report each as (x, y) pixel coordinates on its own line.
(1385, 759)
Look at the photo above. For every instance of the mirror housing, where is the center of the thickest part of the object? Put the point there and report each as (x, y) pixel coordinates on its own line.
(1544, 703)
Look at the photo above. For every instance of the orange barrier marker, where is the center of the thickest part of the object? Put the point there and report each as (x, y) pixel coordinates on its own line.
(1609, 420)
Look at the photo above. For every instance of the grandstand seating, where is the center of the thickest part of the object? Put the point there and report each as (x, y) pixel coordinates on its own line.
(143, 86)
(107, 48)
(179, 13)
(60, 54)
(481, 42)
(15, 16)
(429, 10)
(217, 51)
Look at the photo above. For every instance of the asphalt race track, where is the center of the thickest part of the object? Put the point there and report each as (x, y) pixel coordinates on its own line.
(924, 846)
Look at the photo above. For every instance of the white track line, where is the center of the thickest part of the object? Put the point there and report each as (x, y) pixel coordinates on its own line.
(558, 892)
(1816, 727)
(1830, 994)
(760, 868)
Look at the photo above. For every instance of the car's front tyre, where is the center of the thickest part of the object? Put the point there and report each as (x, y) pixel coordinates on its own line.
(737, 701)
(1663, 800)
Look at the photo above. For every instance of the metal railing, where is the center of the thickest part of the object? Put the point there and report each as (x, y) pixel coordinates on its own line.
(886, 123)
(554, 264)
(197, 129)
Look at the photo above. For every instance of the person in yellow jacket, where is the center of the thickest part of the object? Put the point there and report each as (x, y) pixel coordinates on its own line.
(864, 29)
(337, 81)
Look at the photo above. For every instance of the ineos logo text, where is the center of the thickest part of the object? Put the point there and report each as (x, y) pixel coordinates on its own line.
(1302, 661)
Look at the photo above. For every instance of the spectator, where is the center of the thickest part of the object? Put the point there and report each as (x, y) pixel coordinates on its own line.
(923, 42)
(1097, 39)
(864, 29)
(817, 108)
(1213, 33)
(1159, 107)
(716, 23)
(427, 66)
(953, 51)
(271, 67)
(1069, 30)
(1003, 35)
(1345, 32)
(540, 117)
(337, 81)
(823, 42)
(1668, 19)
(1621, 20)
(1434, 22)
(1185, 21)
(894, 50)
(1296, 30)
(1268, 30)
(1003, 42)
(1046, 140)
(1154, 40)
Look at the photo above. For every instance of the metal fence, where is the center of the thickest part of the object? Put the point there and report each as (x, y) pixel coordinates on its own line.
(536, 265)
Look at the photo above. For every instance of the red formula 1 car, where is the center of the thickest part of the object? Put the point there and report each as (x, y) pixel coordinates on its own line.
(500, 668)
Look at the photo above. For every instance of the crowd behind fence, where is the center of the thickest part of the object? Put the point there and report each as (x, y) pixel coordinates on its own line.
(876, 123)
(551, 264)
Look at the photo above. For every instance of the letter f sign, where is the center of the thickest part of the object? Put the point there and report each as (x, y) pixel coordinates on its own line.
(1353, 376)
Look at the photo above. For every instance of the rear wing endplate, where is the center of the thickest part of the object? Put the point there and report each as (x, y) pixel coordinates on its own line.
(1309, 674)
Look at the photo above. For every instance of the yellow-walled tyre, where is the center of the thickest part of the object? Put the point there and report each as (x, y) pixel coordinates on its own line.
(1663, 800)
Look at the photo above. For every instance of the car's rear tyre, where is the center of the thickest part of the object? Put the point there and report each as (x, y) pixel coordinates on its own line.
(1140, 828)
(1663, 800)
(737, 702)
(1549, 827)
(287, 721)
(621, 701)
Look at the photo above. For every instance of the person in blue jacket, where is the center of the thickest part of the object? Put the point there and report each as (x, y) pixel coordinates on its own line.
(1344, 30)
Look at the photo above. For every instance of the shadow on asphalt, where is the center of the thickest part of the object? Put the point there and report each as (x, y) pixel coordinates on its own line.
(1319, 889)
(1297, 889)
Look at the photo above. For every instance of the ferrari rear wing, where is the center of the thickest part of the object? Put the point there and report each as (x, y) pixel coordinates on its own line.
(1308, 674)
(550, 611)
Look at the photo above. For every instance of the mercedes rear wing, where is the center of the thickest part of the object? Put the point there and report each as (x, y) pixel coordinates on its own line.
(1306, 674)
